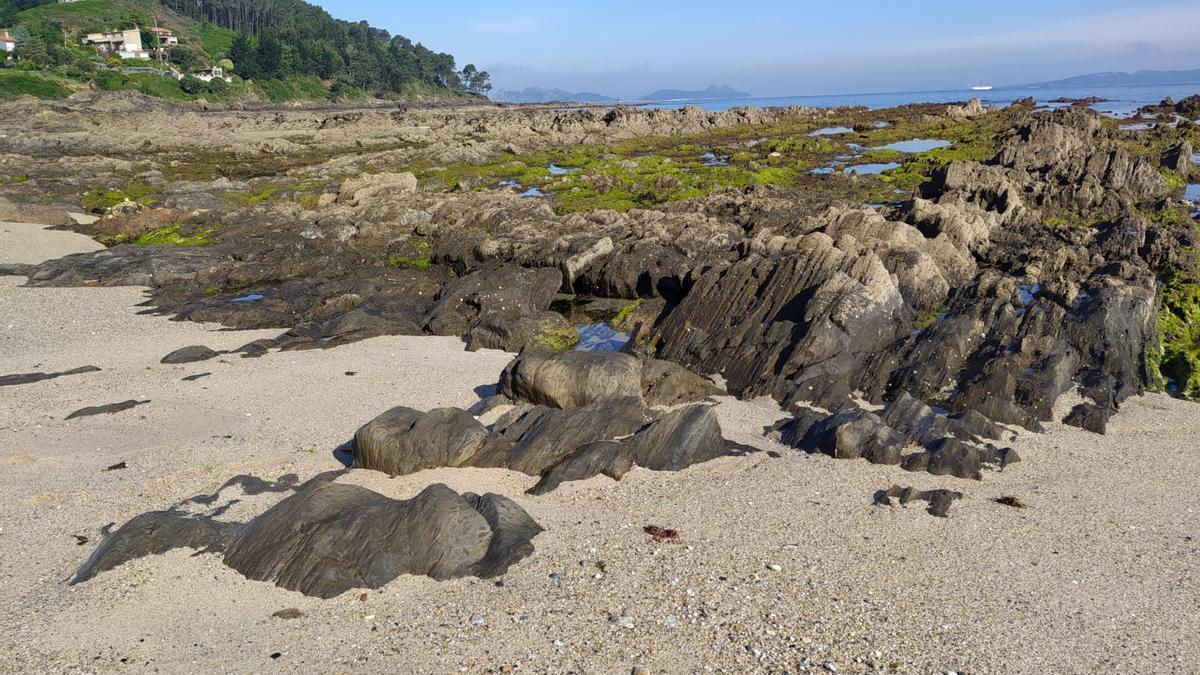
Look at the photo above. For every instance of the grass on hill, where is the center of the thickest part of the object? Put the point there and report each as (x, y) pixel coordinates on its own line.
(25, 83)
(96, 15)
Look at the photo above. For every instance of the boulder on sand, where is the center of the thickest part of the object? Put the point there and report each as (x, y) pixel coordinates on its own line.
(328, 537)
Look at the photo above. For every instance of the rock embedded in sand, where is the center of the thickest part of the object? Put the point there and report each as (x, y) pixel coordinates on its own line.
(402, 440)
(906, 432)
(190, 354)
(571, 379)
(327, 538)
(577, 415)
(939, 500)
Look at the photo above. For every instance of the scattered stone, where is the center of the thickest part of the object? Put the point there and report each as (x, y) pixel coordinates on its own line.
(289, 613)
(475, 620)
(663, 535)
(622, 621)
(774, 567)
(197, 376)
(939, 500)
(80, 540)
(116, 467)
(1010, 501)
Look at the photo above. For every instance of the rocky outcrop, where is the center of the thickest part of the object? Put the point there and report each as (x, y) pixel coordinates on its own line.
(576, 414)
(906, 432)
(506, 290)
(966, 298)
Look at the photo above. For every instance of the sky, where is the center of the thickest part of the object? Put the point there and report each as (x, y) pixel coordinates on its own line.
(773, 48)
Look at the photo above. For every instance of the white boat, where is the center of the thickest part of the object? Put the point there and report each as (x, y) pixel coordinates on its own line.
(982, 87)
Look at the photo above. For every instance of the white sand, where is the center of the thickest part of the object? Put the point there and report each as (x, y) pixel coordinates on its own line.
(1099, 573)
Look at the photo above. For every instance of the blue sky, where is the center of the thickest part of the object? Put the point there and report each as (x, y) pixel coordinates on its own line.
(775, 48)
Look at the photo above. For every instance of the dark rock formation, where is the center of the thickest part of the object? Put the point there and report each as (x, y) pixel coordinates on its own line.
(514, 333)
(328, 537)
(571, 379)
(1021, 312)
(905, 432)
(190, 354)
(403, 440)
(507, 290)
(577, 414)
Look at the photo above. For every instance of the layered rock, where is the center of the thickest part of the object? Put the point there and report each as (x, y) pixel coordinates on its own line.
(328, 537)
(577, 414)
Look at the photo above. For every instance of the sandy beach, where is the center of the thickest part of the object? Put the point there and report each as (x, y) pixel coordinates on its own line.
(785, 564)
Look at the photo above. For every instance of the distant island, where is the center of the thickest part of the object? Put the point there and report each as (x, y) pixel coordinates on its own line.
(712, 92)
(1141, 77)
(543, 95)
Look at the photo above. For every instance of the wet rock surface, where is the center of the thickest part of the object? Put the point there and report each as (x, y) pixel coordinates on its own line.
(326, 538)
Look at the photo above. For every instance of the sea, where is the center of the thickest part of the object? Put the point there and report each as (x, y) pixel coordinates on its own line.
(1121, 101)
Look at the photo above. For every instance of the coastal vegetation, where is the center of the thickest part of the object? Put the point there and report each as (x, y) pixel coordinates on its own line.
(275, 50)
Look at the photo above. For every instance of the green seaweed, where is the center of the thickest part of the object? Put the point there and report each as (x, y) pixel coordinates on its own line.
(622, 314)
(930, 318)
(265, 192)
(556, 337)
(1178, 322)
(171, 236)
(99, 200)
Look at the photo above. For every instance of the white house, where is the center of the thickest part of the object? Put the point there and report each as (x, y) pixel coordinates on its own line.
(126, 44)
(210, 73)
(9, 44)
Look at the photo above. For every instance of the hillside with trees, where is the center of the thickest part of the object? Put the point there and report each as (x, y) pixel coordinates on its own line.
(277, 49)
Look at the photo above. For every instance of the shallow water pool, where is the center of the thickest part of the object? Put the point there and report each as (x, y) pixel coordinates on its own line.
(831, 131)
(600, 337)
(916, 145)
(871, 169)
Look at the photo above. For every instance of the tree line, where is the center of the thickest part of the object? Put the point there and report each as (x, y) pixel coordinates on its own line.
(278, 38)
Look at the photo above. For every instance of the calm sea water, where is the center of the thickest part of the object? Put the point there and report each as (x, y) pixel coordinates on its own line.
(1122, 101)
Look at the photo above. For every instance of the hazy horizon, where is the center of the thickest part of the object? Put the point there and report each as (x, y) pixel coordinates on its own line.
(767, 49)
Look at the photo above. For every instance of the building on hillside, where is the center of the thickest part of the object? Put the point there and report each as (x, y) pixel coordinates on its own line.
(210, 73)
(166, 38)
(126, 44)
(9, 44)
